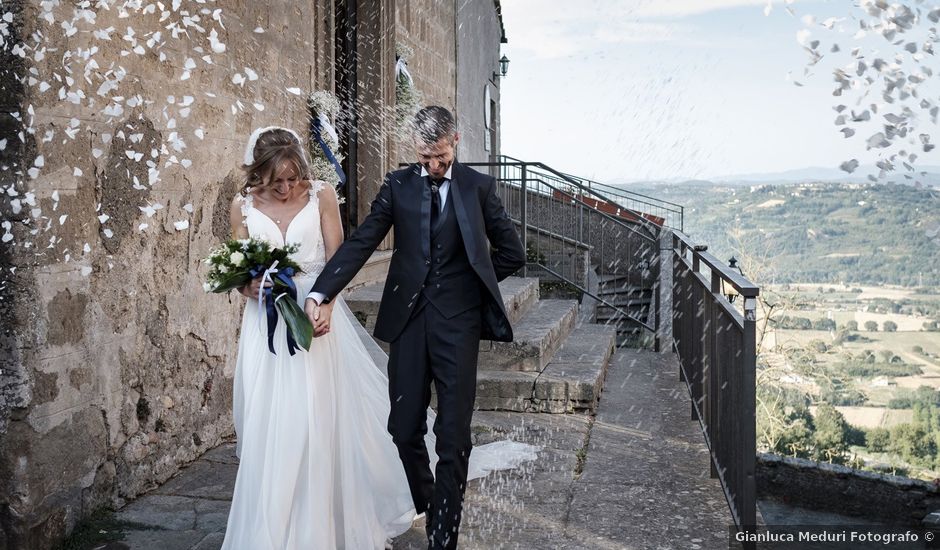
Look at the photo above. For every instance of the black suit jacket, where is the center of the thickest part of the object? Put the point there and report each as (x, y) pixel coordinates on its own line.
(404, 203)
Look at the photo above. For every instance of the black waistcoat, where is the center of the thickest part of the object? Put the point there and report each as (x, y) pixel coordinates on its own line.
(452, 285)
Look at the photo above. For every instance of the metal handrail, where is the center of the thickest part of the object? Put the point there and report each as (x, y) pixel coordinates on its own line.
(653, 202)
(652, 227)
(567, 240)
(598, 298)
(624, 193)
(605, 215)
(717, 350)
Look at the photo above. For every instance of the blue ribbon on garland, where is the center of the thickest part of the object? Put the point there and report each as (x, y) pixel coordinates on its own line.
(317, 135)
(284, 276)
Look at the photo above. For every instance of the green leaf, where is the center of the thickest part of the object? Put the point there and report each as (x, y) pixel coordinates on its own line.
(297, 323)
(234, 280)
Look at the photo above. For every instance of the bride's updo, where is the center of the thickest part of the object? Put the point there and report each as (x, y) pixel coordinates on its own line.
(273, 147)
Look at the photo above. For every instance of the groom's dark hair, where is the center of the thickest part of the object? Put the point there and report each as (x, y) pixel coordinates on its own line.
(433, 123)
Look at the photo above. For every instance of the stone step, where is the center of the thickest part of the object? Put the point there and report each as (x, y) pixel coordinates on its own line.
(571, 382)
(519, 295)
(536, 337)
(606, 290)
(626, 300)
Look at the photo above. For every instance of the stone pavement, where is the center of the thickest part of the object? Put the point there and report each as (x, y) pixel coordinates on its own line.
(636, 477)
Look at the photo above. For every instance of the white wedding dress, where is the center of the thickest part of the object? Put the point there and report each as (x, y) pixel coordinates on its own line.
(317, 468)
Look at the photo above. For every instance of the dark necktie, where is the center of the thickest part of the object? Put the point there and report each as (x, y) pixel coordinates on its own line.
(435, 201)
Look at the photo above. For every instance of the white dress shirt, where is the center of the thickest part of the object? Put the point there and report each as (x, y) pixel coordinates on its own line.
(442, 189)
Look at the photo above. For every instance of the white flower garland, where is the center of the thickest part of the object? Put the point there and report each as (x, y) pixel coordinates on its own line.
(324, 106)
(407, 97)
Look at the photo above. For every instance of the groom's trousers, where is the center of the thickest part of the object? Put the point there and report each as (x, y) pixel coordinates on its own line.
(442, 351)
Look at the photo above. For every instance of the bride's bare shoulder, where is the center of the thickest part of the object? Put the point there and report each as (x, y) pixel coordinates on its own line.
(324, 192)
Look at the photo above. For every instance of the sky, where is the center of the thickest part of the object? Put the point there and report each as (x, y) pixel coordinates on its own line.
(627, 90)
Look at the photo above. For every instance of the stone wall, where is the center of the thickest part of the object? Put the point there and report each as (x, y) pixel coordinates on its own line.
(116, 366)
(479, 34)
(869, 495)
(427, 28)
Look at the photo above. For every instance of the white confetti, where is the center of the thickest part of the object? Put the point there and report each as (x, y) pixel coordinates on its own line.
(181, 225)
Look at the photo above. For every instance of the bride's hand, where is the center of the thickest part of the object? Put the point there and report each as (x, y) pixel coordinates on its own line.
(251, 291)
(319, 315)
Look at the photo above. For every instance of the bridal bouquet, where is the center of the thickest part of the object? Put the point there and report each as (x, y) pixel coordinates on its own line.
(236, 263)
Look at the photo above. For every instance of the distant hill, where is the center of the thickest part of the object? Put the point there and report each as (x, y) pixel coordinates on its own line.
(860, 175)
(817, 232)
(930, 178)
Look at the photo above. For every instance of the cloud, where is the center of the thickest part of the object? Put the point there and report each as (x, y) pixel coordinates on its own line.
(555, 29)
(684, 8)
(636, 32)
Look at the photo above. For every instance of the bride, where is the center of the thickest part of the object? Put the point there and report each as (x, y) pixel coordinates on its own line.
(317, 468)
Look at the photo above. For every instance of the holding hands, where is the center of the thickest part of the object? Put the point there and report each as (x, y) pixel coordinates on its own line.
(319, 315)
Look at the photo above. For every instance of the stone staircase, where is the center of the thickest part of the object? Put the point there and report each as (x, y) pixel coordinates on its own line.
(635, 300)
(554, 365)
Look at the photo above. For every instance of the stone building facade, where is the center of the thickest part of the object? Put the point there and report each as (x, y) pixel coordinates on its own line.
(121, 132)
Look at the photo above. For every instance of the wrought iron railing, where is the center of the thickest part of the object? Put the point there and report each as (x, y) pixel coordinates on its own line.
(569, 232)
(671, 214)
(716, 348)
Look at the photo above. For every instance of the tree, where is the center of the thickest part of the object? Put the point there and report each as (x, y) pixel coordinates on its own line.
(830, 438)
(796, 439)
(824, 324)
(913, 444)
(802, 323)
(818, 345)
(877, 440)
(890, 326)
(851, 325)
(871, 326)
(932, 326)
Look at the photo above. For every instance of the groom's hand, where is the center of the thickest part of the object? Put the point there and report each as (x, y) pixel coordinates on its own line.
(319, 316)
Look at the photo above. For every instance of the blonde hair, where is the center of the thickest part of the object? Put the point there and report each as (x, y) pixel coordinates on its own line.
(273, 147)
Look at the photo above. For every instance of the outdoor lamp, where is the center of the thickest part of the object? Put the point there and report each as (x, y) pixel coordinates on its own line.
(727, 289)
(503, 67)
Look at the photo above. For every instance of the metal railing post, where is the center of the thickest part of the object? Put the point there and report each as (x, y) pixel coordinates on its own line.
(523, 218)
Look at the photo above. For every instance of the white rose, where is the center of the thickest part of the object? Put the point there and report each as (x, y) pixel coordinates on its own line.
(236, 258)
(207, 287)
(223, 269)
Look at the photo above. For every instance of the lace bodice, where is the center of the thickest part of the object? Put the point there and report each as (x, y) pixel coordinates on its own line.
(303, 230)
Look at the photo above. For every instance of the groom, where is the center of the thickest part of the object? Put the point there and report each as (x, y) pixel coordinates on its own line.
(453, 243)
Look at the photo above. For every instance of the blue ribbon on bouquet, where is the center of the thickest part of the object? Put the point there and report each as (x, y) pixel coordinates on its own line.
(267, 297)
(315, 130)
